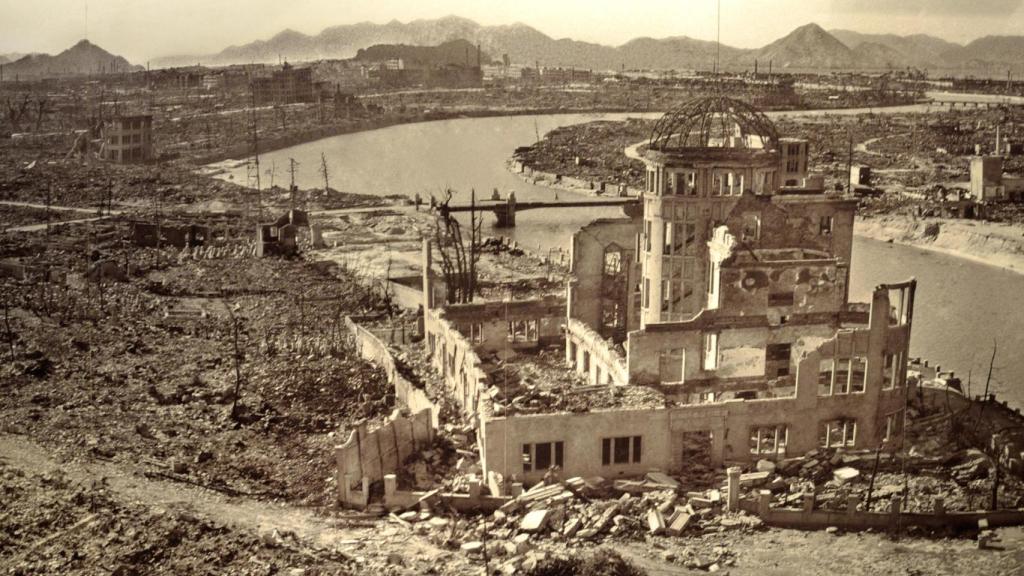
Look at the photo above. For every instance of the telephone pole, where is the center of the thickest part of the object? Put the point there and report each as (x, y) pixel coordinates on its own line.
(292, 165)
(254, 166)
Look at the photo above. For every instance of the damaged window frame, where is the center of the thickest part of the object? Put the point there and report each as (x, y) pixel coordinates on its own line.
(776, 434)
(621, 450)
(844, 429)
(555, 456)
(524, 331)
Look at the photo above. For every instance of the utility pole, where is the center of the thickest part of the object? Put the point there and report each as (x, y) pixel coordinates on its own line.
(849, 162)
(718, 39)
(292, 165)
(472, 243)
(49, 194)
(254, 172)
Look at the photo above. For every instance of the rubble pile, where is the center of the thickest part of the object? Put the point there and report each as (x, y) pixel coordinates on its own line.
(542, 383)
(559, 515)
(960, 479)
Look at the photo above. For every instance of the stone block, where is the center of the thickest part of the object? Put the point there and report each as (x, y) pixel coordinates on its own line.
(680, 522)
(655, 522)
(534, 521)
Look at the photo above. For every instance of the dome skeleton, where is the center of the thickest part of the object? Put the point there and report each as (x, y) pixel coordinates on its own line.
(697, 123)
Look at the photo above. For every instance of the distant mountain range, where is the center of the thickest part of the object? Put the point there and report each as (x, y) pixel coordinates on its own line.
(809, 47)
(82, 58)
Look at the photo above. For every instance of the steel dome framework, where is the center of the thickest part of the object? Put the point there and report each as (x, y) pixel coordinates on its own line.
(697, 123)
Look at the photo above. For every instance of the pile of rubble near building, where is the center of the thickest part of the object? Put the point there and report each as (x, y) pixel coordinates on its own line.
(567, 513)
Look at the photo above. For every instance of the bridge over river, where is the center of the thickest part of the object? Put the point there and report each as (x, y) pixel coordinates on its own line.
(505, 210)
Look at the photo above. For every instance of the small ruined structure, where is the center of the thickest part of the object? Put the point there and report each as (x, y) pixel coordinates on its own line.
(128, 139)
(281, 238)
(990, 184)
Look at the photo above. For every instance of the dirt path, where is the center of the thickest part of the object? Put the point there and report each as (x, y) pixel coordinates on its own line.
(39, 227)
(375, 541)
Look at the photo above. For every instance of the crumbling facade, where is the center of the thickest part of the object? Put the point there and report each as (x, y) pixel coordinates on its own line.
(717, 316)
(288, 85)
(128, 139)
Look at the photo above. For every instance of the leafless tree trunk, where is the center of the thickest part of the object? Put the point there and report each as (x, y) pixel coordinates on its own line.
(41, 111)
(10, 333)
(324, 171)
(16, 110)
(458, 267)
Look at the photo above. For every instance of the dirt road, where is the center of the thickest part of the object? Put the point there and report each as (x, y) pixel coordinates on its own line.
(374, 544)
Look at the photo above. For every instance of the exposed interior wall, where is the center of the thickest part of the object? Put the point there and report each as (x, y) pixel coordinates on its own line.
(594, 357)
(454, 358)
(489, 325)
(592, 291)
(742, 347)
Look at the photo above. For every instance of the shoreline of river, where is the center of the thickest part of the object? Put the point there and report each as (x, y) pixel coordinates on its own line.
(989, 243)
(241, 151)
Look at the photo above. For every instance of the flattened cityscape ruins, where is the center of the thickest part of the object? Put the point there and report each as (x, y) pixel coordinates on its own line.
(424, 305)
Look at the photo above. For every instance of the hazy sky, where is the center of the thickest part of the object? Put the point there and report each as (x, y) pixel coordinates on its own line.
(142, 29)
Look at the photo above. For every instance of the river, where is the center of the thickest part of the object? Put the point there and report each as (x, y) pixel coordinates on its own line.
(961, 307)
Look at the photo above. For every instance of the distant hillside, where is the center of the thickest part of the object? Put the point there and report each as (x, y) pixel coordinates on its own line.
(878, 56)
(453, 52)
(1004, 51)
(82, 58)
(918, 50)
(808, 47)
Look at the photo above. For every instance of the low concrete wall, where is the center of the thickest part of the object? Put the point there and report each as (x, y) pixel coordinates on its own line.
(371, 349)
(809, 518)
(368, 455)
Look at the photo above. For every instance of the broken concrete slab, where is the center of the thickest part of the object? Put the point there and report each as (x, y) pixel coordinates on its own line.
(534, 521)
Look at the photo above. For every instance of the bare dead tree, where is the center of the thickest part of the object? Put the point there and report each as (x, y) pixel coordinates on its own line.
(10, 332)
(16, 110)
(325, 172)
(238, 363)
(41, 108)
(457, 266)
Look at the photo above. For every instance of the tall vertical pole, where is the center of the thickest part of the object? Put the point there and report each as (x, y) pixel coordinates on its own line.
(718, 40)
(256, 160)
(849, 162)
(472, 243)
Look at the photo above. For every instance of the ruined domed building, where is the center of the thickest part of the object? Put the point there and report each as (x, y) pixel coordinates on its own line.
(711, 323)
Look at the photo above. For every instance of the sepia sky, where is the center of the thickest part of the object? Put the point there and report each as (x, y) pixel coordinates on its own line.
(143, 29)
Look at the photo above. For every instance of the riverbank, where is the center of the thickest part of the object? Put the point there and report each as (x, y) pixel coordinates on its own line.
(243, 149)
(990, 243)
(569, 183)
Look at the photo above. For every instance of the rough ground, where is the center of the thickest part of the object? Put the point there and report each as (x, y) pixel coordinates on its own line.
(100, 517)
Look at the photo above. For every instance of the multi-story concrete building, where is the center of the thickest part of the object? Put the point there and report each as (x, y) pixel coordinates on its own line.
(288, 85)
(128, 139)
(715, 314)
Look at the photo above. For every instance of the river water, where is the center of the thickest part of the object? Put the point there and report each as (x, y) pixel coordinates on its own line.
(962, 307)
